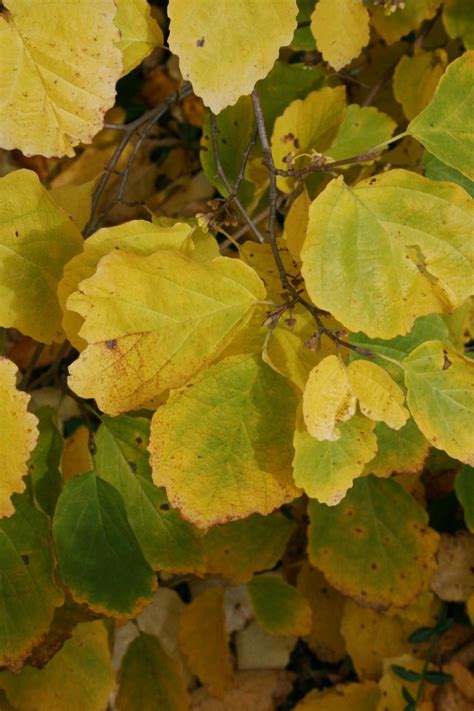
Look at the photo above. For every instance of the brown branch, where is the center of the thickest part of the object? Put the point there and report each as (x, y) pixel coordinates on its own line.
(145, 123)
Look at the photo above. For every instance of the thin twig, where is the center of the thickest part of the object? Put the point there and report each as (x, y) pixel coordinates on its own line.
(144, 122)
(31, 366)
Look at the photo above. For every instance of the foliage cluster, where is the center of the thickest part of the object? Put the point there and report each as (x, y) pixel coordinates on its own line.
(236, 373)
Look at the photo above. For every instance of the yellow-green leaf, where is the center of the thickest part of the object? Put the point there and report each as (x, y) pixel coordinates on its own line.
(391, 249)
(362, 128)
(19, 434)
(342, 697)
(440, 385)
(458, 19)
(279, 607)
(380, 398)
(402, 451)
(296, 224)
(78, 677)
(326, 470)
(464, 487)
(197, 35)
(341, 30)
(163, 316)
(137, 237)
(306, 125)
(446, 126)
(28, 595)
(375, 546)
(237, 550)
(204, 641)
(56, 84)
(139, 32)
(415, 80)
(37, 239)
(222, 447)
(328, 399)
(150, 677)
(408, 17)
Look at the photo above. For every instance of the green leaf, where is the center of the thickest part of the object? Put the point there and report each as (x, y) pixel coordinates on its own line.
(437, 678)
(28, 595)
(391, 249)
(237, 550)
(99, 557)
(79, 677)
(435, 169)
(362, 128)
(375, 546)
(326, 469)
(440, 396)
(303, 39)
(168, 543)
(163, 316)
(446, 126)
(464, 488)
(458, 20)
(401, 451)
(279, 607)
(235, 126)
(37, 238)
(405, 674)
(222, 446)
(45, 460)
(150, 678)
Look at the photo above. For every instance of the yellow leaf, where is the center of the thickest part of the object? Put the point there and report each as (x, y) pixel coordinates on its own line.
(454, 577)
(76, 200)
(296, 224)
(78, 677)
(253, 689)
(37, 239)
(395, 247)
(405, 19)
(203, 639)
(205, 38)
(391, 685)
(139, 32)
(326, 470)
(57, 82)
(19, 434)
(137, 237)
(324, 638)
(446, 126)
(328, 399)
(342, 697)
(441, 397)
(380, 398)
(415, 80)
(76, 458)
(222, 447)
(306, 125)
(162, 317)
(341, 30)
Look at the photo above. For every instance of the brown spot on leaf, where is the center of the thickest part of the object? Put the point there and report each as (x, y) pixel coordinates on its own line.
(201, 42)
(111, 345)
(446, 362)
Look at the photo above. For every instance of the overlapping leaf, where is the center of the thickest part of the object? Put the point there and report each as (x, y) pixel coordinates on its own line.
(393, 26)
(162, 316)
(139, 32)
(339, 48)
(279, 607)
(395, 247)
(56, 84)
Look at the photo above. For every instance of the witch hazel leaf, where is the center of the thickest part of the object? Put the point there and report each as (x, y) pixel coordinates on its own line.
(328, 399)
(37, 239)
(279, 607)
(326, 469)
(362, 128)
(139, 32)
(19, 434)
(340, 47)
(138, 237)
(446, 126)
(402, 451)
(356, 697)
(380, 398)
(440, 395)
(99, 557)
(392, 26)
(464, 487)
(222, 446)
(415, 79)
(375, 546)
(56, 84)
(257, 29)
(395, 247)
(162, 316)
